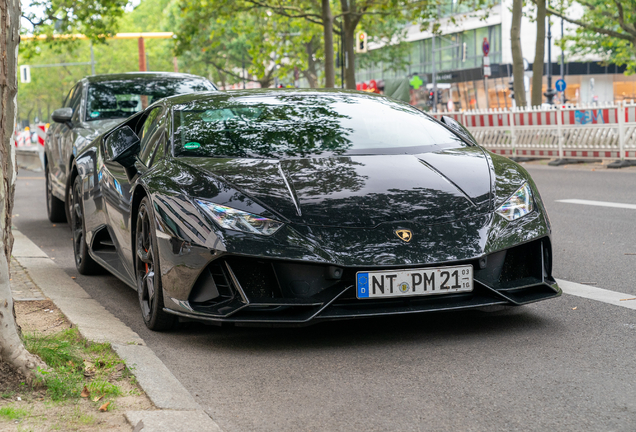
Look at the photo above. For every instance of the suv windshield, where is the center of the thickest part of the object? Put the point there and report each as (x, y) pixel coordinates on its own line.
(124, 97)
(296, 125)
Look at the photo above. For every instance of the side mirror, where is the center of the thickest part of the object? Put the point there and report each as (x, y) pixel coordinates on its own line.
(62, 115)
(123, 145)
(460, 130)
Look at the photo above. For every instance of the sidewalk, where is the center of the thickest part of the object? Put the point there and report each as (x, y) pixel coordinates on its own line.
(36, 277)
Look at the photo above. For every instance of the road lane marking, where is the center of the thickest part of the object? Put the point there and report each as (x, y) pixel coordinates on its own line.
(599, 203)
(598, 294)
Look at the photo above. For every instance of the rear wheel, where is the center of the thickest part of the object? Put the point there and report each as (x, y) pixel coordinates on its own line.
(85, 264)
(54, 206)
(148, 273)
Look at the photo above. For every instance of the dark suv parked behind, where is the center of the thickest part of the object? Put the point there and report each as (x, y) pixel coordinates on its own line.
(94, 105)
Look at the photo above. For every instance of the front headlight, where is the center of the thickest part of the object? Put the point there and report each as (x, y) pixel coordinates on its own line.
(229, 218)
(518, 205)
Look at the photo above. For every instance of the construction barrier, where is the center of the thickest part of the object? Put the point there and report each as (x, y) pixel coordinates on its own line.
(29, 144)
(566, 131)
(30, 157)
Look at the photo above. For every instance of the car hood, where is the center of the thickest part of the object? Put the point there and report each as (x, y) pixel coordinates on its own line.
(88, 131)
(352, 191)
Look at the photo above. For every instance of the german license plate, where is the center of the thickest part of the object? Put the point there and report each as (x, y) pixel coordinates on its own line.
(414, 282)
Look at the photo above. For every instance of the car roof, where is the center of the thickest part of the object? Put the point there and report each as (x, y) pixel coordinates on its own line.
(140, 75)
(243, 95)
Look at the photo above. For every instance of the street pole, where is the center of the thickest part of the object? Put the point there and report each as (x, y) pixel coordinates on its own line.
(342, 58)
(142, 54)
(434, 77)
(243, 73)
(92, 60)
(550, 92)
(562, 65)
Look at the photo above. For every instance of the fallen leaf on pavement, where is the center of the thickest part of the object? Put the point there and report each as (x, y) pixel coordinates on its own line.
(85, 393)
(98, 398)
(573, 308)
(120, 367)
(104, 407)
(633, 298)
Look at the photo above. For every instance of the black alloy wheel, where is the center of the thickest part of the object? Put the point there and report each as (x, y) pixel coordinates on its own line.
(54, 206)
(148, 273)
(83, 261)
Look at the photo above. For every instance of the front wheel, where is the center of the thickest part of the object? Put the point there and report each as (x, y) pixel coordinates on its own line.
(54, 206)
(85, 264)
(148, 271)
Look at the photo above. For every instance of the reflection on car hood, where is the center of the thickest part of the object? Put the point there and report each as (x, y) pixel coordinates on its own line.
(360, 191)
(93, 129)
(100, 126)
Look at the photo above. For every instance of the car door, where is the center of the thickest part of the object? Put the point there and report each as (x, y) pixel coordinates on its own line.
(54, 146)
(69, 135)
(117, 193)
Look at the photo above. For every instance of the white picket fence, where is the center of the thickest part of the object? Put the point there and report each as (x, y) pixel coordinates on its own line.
(565, 131)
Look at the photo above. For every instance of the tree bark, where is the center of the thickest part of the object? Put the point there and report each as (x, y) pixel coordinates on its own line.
(517, 55)
(539, 56)
(12, 350)
(311, 73)
(327, 25)
(351, 19)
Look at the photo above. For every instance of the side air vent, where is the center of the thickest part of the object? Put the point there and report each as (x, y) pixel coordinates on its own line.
(212, 286)
(102, 242)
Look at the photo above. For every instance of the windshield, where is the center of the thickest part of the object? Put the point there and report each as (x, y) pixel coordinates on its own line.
(124, 97)
(296, 125)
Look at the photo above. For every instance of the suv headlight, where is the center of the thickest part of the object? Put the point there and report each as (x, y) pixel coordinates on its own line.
(237, 220)
(518, 205)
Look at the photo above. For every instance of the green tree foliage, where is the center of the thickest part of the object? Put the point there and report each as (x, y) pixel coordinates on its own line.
(223, 38)
(606, 29)
(49, 86)
(94, 18)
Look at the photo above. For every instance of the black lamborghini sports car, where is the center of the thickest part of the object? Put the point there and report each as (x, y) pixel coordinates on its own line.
(289, 207)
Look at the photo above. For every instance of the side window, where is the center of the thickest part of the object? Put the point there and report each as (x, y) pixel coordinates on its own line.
(76, 100)
(69, 97)
(151, 132)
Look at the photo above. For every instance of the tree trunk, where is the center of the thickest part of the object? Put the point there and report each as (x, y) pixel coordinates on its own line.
(12, 350)
(327, 25)
(350, 19)
(517, 55)
(266, 80)
(310, 73)
(539, 56)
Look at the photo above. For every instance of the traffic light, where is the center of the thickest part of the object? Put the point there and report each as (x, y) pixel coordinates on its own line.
(511, 89)
(361, 42)
(431, 98)
(439, 95)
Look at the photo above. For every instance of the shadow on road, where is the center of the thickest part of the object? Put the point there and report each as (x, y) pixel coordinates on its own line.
(432, 328)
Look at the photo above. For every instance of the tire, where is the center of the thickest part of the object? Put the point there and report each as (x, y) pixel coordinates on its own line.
(84, 263)
(148, 277)
(55, 207)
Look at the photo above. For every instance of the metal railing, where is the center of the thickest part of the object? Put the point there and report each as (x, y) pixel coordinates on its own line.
(566, 131)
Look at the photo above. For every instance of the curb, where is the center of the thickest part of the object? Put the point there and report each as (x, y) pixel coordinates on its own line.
(177, 407)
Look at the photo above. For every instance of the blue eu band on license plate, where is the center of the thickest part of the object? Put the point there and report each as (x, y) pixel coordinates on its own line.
(414, 282)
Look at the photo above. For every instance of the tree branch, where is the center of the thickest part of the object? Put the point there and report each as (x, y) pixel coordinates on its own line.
(283, 10)
(621, 19)
(591, 27)
(225, 71)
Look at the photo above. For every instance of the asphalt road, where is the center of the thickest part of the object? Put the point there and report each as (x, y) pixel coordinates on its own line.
(566, 364)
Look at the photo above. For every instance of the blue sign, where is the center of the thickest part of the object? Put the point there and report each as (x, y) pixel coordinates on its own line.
(560, 85)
